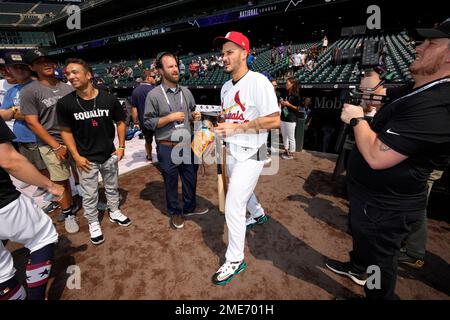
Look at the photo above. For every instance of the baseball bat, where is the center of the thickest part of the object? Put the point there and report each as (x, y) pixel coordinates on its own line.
(220, 176)
(224, 169)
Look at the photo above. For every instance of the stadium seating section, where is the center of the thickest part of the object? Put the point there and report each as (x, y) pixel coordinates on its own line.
(399, 56)
(38, 38)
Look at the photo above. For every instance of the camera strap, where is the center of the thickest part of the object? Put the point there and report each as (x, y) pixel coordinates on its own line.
(428, 86)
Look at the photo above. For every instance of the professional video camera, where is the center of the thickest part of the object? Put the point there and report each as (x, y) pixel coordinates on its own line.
(358, 95)
(368, 57)
(367, 54)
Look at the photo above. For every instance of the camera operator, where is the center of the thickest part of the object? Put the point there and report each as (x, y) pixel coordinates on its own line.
(412, 253)
(391, 163)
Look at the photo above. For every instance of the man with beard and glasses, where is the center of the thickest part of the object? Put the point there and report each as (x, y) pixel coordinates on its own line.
(389, 167)
(170, 111)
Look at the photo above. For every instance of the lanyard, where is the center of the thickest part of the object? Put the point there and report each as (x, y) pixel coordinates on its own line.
(167, 99)
(428, 86)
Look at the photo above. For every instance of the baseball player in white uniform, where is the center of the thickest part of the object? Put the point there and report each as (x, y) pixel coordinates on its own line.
(250, 109)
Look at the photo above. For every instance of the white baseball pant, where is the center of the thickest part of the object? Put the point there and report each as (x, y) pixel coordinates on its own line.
(242, 179)
(22, 221)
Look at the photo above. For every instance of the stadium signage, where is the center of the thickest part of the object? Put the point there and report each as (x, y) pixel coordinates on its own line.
(248, 13)
(57, 51)
(325, 103)
(257, 11)
(144, 34)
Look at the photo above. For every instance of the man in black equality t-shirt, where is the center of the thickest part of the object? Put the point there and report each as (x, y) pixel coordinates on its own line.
(86, 117)
(390, 165)
(22, 221)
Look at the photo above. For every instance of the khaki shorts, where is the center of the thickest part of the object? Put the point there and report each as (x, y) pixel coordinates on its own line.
(59, 170)
(30, 151)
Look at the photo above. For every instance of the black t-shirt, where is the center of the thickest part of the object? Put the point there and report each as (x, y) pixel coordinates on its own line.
(288, 114)
(418, 127)
(92, 126)
(278, 94)
(397, 92)
(8, 192)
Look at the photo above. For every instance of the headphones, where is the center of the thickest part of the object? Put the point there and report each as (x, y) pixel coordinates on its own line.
(159, 57)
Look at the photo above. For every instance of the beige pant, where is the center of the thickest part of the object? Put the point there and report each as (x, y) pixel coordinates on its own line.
(30, 151)
(59, 169)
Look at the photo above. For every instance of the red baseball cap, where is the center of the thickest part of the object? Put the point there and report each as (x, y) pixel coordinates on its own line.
(235, 37)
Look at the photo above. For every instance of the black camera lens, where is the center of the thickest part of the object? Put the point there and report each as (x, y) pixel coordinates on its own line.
(346, 56)
(367, 53)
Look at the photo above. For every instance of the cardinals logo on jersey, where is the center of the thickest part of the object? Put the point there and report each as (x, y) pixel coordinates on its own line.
(238, 101)
(239, 114)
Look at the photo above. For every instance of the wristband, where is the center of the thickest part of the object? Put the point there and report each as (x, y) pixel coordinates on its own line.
(60, 146)
(121, 147)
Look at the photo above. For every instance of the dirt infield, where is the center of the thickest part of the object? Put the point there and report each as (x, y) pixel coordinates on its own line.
(285, 257)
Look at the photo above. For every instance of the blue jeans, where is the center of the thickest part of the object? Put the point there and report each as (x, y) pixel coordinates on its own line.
(170, 172)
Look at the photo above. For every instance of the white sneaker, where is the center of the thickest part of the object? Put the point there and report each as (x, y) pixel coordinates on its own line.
(96, 233)
(287, 156)
(253, 222)
(119, 218)
(227, 271)
(71, 225)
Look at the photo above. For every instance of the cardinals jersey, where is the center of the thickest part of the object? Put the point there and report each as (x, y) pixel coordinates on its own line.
(251, 97)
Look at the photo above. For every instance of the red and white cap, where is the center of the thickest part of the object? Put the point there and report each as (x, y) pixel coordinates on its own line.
(235, 37)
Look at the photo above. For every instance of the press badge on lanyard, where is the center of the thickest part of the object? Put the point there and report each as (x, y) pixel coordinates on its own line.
(178, 125)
